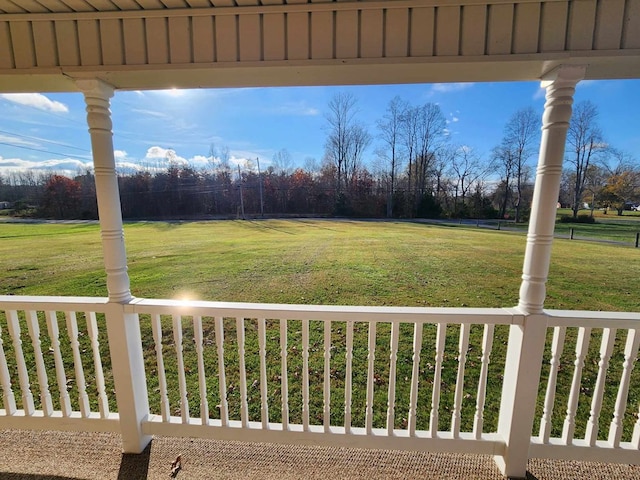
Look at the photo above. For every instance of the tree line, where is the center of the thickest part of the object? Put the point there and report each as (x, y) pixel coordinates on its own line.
(415, 170)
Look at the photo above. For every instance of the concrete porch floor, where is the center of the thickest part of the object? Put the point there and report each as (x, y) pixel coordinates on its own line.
(29, 455)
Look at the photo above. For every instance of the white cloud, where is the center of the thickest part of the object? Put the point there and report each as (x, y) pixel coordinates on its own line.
(156, 153)
(17, 141)
(199, 160)
(449, 87)
(296, 108)
(452, 119)
(63, 166)
(119, 154)
(36, 100)
(152, 113)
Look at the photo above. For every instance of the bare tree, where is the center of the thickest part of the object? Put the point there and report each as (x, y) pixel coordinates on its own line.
(430, 139)
(502, 162)
(390, 133)
(342, 108)
(347, 140)
(466, 170)
(519, 143)
(584, 145)
(423, 134)
(282, 162)
(409, 136)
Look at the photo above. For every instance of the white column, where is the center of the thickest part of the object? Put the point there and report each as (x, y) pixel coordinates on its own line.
(123, 329)
(97, 95)
(526, 341)
(560, 85)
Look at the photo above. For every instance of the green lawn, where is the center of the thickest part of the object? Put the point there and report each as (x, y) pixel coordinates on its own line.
(608, 227)
(315, 262)
(325, 262)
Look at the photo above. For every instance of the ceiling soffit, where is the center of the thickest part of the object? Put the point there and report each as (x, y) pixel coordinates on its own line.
(161, 43)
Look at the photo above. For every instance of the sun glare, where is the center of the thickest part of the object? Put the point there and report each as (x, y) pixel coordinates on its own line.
(175, 92)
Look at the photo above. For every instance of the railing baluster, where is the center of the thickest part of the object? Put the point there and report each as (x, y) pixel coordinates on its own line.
(327, 376)
(582, 346)
(61, 376)
(72, 332)
(393, 359)
(487, 345)
(630, 354)
(244, 408)
(463, 346)
(224, 407)
(635, 438)
(437, 375)
(264, 403)
(371, 359)
(92, 330)
(284, 384)
(156, 328)
(348, 377)
(415, 377)
(557, 347)
(182, 380)
(606, 349)
(305, 375)
(8, 399)
(23, 375)
(34, 332)
(202, 379)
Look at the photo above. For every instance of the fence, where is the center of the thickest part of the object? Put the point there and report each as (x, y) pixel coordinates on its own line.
(379, 377)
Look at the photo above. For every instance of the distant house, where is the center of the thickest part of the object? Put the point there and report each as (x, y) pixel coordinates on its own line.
(5, 205)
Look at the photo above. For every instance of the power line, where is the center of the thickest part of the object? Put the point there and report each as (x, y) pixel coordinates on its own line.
(28, 137)
(65, 155)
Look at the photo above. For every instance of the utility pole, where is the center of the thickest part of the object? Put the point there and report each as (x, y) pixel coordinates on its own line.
(260, 184)
(241, 192)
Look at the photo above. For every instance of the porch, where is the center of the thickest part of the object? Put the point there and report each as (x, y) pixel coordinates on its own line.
(95, 456)
(329, 380)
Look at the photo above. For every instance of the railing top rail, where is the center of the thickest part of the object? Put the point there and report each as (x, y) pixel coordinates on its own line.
(584, 318)
(58, 304)
(499, 316)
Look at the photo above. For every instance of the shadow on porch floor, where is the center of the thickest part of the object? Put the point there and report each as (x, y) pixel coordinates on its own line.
(27, 455)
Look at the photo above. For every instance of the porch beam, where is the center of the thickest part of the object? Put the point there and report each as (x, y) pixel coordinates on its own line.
(526, 341)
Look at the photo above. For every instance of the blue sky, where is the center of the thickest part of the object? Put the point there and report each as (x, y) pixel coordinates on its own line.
(48, 132)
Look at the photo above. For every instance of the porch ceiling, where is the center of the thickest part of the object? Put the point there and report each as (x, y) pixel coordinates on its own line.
(142, 44)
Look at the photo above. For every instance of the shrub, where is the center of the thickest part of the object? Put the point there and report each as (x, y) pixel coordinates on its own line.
(582, 218)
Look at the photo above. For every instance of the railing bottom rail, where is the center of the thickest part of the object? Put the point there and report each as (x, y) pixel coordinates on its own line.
(56, 421)
(580, 450)
(487, 444)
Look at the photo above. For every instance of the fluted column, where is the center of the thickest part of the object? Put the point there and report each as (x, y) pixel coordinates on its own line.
(97, 95)
(527, 336)
(560, 85)
(123, 329)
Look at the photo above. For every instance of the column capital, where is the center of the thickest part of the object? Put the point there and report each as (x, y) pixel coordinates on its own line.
(94, 87)
(567, 74)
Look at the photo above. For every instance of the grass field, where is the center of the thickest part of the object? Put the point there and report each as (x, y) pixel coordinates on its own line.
(316, 262)
(327, 262)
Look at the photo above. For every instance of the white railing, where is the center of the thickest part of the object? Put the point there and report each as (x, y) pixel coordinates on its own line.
(261, 357)
(605, 348)
(380, 377)
(50, 352)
